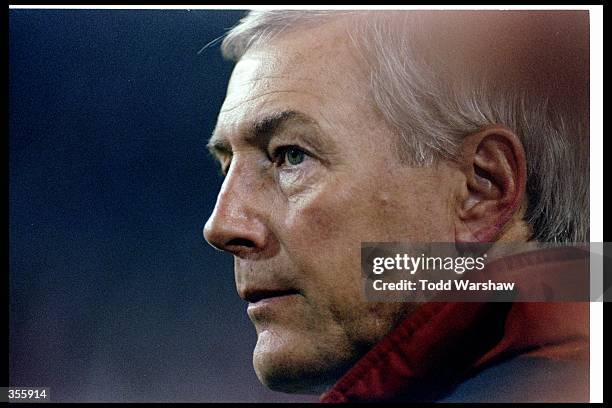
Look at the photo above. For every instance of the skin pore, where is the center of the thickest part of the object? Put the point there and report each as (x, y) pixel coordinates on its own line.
(310, 173)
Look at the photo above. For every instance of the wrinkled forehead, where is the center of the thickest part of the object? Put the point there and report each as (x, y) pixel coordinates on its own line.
(319, 65)
(266, 72)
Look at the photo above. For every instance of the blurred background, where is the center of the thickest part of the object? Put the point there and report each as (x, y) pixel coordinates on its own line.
(114, 294)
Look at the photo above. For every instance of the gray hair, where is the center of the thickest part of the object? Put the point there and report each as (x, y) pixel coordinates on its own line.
(432, 110)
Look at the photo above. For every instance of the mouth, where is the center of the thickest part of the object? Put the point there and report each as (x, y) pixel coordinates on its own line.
(268, 305)
(260, 295)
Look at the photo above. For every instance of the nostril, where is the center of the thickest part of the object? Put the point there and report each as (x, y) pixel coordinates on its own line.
(241, 242)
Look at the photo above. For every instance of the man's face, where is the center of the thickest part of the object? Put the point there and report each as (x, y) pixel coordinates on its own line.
(311, 173)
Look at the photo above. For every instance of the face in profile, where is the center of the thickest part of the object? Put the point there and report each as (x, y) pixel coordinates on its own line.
(310, 173)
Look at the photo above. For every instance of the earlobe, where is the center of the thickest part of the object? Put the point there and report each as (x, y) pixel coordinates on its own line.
(493, 162)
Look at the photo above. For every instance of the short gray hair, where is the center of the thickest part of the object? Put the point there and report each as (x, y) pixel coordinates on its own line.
(432, 112)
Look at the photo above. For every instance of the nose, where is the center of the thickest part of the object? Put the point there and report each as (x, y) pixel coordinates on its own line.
(237, 225)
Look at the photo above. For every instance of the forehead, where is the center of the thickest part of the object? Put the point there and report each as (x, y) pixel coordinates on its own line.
(314, 71)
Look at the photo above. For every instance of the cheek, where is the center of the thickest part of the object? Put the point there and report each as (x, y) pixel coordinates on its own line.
(338, 220)
(321, 237)
(415, 210)
(328, 254)
(316, 219)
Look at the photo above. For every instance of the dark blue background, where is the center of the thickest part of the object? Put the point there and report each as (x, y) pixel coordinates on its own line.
(114, 294)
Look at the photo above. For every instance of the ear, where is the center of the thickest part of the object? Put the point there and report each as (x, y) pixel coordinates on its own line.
(493, 162)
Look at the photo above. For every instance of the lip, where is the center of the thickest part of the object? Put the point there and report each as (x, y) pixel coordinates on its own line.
(271, 303)
(255, 294)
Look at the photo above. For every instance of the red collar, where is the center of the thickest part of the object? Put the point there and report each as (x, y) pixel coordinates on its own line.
(442, 343)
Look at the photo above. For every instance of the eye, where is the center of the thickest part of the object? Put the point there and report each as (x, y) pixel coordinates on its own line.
(292, 155)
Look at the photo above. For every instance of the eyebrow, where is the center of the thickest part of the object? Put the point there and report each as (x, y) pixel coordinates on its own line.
(261, 132)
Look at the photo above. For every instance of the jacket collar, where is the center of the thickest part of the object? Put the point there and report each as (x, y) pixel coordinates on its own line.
(443, 343)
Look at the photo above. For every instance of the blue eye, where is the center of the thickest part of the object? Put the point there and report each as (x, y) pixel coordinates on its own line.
(292, 155)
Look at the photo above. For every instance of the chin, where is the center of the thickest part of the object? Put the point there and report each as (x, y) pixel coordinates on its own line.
(293, 364)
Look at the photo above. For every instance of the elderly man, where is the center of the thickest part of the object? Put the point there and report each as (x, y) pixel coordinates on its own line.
(342, 127)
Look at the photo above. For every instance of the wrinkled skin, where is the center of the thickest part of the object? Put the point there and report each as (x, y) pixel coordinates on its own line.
(294, 219)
